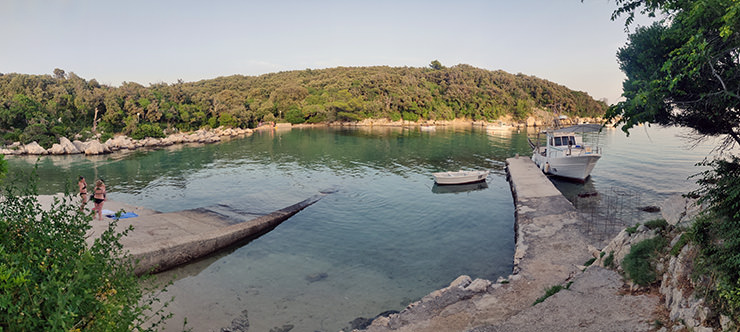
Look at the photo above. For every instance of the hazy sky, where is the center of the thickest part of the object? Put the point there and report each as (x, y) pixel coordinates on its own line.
(565, 41)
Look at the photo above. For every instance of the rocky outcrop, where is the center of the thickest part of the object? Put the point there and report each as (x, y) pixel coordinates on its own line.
(680, 211)
(121, 142)
(34, 149)
(95, 148)
(460, 289)
(65, 146)
(685, 305)
(613, 254)
(687, 309)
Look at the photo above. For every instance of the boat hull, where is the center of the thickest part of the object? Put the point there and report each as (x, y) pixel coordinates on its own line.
(461, 177)
(572, 167)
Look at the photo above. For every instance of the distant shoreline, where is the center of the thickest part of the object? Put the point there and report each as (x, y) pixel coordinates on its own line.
(123, 142)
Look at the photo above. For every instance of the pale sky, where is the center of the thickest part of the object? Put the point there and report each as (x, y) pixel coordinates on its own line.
(569, 42)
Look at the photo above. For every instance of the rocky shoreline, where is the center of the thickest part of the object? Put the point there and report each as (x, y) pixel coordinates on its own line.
(123, 142)
(206, 136)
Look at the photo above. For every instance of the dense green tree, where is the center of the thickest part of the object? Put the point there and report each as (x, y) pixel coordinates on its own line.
(436, 65)
(684, 69)
(66, 104)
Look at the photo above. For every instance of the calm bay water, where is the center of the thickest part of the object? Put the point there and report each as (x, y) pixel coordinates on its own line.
(386, 237)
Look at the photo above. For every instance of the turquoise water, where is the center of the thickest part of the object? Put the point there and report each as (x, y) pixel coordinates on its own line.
(386, 237)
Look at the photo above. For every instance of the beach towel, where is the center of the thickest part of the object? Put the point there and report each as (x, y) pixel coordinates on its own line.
(123, 215)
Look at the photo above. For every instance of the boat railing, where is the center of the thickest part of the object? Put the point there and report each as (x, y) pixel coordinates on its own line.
(578, 150)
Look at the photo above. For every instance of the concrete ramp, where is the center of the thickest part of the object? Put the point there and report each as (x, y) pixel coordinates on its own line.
(161, 241)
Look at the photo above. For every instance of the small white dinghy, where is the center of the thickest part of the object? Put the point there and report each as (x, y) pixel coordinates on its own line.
(460, 177)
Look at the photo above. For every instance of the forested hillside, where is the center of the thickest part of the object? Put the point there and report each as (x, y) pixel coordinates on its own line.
(43, 107)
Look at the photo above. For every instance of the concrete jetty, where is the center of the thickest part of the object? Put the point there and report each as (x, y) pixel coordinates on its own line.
(161, 241)
(550, 250)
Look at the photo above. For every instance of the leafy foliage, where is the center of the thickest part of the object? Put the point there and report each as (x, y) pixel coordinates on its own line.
(52, 280)
(660, 224)
(684, 69)
(682, 241)
(147, 130)
(609, 260)
(549, 292)
(718, 232)
(638, 262)
(43, 107)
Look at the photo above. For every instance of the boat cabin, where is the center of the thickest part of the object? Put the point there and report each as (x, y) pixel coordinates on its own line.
(568, 139)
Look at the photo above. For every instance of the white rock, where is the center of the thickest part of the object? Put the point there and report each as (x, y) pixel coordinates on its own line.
(461, 281)
(94, 148)
(56, 149)
(68, 146)
(478, 285)
(81, 146)
(34, 148)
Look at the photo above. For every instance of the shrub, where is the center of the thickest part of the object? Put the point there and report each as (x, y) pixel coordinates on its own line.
(550, 292)
(410, 116)
(717, 231)
(632, 229)
(590, 261)
(52, 280)
(657, 224)
(609, 260)
(104, 137)
(294, 116)
(638, 263)
(676, 249)
(147, 130)
(226, 120)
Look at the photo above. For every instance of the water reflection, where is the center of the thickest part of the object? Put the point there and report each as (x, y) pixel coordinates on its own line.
(458, 188)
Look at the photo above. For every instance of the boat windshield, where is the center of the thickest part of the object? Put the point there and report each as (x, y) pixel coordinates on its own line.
(563, 140)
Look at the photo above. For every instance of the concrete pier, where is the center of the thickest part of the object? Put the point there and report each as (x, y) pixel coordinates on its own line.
(549, 251)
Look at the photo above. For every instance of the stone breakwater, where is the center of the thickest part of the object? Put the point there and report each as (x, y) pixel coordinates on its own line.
(123, 142)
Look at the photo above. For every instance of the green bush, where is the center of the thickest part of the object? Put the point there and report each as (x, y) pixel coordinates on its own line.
(632, 229)
(226, 120)
(717, 231)
(590, 261)
(147, 130)
(52, 280)
(609, 260)
(638, 263)
(549, 292)
(294, 116)
(657, 224)
(676, 249)
(104, 137)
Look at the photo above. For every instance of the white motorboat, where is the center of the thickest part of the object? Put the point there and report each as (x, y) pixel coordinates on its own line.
(565, 154)
(460, 177)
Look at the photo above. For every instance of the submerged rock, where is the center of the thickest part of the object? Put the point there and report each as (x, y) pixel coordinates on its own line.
(650, 209)
(316, 277)
(284, 328)
(239, 324)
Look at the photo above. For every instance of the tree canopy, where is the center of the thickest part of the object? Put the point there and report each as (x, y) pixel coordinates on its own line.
(684, 69)
(44, 107)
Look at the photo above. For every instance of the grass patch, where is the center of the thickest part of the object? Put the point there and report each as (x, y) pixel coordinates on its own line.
(609, 260)
(590, 261)
(550, 292)
(638, 263)
(631, 230)
(657, 224)
(682, 241)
